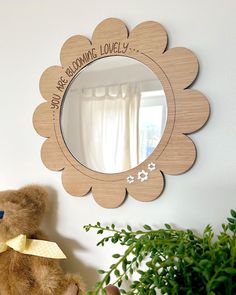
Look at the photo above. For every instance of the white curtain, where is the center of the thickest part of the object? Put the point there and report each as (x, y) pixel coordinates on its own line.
(102, 132)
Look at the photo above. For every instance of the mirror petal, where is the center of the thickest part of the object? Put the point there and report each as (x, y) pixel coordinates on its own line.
(179, 155)
(52, 156)
(181, 67)
(109, 194)
(42, 120)
(49, 80)
(75, 183)
(73, 48)
(149, 189)
(192, 110)
(111, 29)
(149, 37)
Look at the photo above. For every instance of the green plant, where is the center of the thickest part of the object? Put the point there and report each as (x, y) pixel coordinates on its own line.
(176, 261)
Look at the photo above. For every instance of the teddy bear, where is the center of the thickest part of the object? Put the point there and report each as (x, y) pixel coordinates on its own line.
(29, 273)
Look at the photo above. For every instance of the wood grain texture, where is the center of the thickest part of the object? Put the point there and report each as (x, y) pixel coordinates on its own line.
(188, 111)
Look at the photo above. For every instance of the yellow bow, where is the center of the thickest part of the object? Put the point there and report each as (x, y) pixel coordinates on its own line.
(33, 247)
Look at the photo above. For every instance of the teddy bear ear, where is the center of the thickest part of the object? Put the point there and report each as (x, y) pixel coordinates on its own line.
(35, 194)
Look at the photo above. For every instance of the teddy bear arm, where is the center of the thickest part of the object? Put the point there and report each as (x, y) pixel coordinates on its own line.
(49, 276)
(20, 279)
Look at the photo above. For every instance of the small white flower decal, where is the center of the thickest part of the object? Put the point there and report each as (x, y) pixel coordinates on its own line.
(130, 179)
(151, 166)
(142, 175)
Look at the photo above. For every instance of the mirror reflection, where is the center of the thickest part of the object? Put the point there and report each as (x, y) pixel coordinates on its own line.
(114, 114)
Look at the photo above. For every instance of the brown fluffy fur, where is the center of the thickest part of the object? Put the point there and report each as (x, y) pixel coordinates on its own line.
(27, 274)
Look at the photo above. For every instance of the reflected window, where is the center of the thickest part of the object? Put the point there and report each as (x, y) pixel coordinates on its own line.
(152, 120)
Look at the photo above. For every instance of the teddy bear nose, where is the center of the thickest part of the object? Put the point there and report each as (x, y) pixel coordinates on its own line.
(1, 214)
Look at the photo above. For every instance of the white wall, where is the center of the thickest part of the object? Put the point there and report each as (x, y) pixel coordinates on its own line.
(31, 35)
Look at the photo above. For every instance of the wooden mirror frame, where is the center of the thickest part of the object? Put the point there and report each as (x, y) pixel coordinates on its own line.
(188, 111)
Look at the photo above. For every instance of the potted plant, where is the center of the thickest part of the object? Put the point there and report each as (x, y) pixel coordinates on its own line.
(176, 261)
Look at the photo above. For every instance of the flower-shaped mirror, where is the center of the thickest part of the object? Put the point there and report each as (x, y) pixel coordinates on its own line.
(118, 111)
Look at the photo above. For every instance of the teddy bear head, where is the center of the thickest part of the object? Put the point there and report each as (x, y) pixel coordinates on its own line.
(21, 211)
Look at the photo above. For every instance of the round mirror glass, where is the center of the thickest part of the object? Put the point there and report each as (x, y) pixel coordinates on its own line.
(114, 114)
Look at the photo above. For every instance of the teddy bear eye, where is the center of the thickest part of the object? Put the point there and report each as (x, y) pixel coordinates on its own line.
(1, 214)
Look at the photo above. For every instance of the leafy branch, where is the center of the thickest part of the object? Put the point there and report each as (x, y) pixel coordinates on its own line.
(171, 260)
